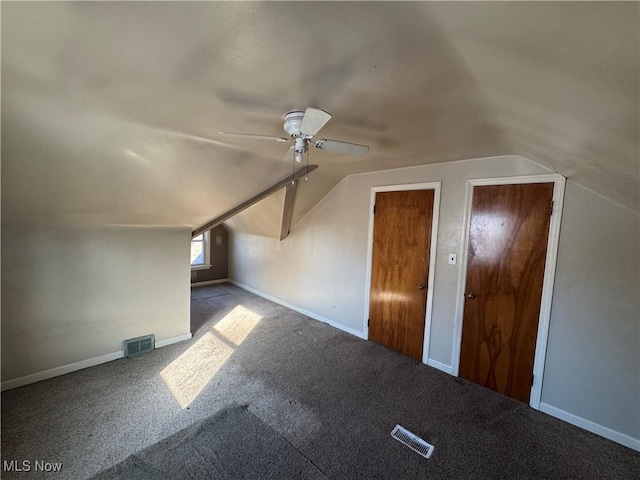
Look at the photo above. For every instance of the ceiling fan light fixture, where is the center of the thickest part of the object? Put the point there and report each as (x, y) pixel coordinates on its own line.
(300, 149)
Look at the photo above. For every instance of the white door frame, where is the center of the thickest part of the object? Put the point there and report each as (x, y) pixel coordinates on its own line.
(435, 186)
(548, 279)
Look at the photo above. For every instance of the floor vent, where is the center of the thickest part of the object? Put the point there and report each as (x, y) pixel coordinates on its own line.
(136, 346)
(412, 441)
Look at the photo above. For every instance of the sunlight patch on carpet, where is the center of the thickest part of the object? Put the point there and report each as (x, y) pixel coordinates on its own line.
(237, 324)
(188, 375)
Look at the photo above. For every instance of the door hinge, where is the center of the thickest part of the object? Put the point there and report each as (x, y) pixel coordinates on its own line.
(374, 209)
(368, 320)
(532, 376)
(551, 208)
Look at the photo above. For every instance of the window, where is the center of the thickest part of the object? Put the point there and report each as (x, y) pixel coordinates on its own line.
(200, 252)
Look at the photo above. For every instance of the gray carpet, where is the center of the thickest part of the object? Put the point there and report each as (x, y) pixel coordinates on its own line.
(331, 396)
(233, 444)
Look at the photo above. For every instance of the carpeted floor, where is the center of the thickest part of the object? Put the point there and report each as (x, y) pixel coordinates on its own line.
(233, 443)
(330, 396)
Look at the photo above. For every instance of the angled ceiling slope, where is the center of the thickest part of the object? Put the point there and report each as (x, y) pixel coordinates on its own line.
(91, 93)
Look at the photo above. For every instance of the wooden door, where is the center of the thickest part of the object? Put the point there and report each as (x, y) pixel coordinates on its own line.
(505, 269)
(400, 268)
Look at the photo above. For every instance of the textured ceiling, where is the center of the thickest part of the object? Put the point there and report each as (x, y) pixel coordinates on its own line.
(92, 91)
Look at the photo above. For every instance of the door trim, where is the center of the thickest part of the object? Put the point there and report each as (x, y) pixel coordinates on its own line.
(547, 283)
(435, 186)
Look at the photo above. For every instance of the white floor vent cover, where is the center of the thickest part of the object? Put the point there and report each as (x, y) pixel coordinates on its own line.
(412, 441)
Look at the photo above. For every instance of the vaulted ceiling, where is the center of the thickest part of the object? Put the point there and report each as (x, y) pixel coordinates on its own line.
(99, 100)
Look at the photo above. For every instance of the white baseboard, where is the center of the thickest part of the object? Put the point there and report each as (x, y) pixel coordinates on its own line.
(315, 316)
(62, 370)
(440, 366)
(172, 340)
(73, 367)
(210, 282)
(621, 438)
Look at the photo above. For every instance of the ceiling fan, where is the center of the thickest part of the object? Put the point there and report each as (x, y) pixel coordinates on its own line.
(302, 127)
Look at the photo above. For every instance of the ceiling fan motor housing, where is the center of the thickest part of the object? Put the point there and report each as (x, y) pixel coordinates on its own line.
(292, 121)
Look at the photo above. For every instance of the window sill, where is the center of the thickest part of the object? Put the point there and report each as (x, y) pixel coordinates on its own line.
(200, 267)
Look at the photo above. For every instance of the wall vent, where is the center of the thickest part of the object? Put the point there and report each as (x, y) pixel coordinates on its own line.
(412, 441)
(136, 346)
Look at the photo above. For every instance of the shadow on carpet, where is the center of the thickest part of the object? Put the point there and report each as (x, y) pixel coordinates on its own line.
(233, 444)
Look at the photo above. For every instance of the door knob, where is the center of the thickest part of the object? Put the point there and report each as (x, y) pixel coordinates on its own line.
(470, 296)
(421, 286)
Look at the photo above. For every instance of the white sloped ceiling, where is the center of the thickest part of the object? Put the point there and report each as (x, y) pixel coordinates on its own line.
(91, 93)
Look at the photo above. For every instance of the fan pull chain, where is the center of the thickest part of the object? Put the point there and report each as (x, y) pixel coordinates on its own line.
(293, 168)
(306, 178)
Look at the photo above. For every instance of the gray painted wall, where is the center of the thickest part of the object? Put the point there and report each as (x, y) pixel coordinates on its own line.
(593, 354)
(321, 267)
(74, 293)
(218, 257)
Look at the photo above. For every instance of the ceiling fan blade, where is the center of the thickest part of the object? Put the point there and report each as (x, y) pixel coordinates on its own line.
(313, 121)
(289, 155)
(195, 138)
(343, 148)
(256, 137)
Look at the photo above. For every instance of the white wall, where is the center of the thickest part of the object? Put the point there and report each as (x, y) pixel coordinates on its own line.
(74, 293)
(321, 267)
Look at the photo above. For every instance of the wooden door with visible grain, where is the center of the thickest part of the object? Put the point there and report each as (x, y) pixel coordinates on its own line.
(508, 238)
(400, 268)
